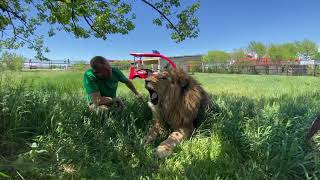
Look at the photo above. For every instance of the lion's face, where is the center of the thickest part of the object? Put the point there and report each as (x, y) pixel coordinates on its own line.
(157, 86)
(166, 84)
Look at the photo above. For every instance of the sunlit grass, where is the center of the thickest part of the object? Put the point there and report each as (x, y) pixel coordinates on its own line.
(255, 131)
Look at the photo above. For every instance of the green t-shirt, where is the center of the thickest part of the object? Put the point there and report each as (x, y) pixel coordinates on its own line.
(105, 87)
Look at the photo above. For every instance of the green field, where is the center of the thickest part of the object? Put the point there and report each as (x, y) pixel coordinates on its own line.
(255, 131)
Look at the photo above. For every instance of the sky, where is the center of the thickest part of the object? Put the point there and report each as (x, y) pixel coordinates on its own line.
(224, 25)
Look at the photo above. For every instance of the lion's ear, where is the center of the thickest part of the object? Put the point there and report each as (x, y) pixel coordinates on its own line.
(183, 79)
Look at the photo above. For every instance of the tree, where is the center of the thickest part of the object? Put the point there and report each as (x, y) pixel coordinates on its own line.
(257, 47)
(19, 20)
(216, 56)
(286, 52)
(12, 61)
(307, 49)
(289, 51)
(317, 56)
(275, 53)
(238, 54)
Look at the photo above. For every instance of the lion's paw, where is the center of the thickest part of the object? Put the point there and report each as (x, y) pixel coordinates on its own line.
(163, 151)
(147, 139)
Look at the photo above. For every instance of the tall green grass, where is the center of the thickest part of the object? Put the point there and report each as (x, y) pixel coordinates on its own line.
(256, 130)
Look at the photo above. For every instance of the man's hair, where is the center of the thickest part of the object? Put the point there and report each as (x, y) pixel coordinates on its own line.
(98, 62)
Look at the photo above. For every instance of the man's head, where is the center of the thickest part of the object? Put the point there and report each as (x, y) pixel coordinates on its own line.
(101, 67)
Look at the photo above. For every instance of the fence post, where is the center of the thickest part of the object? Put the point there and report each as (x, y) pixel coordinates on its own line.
(68, 63)
(202, 67)
(315, 70)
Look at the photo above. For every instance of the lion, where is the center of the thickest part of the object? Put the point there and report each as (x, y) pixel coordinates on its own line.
(176, 100)
(315, 127)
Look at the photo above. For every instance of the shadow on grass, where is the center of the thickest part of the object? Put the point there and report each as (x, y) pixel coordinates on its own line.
(251, 139)
(239, 138)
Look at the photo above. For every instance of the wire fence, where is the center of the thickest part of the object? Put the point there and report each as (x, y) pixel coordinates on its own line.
(299, 70)
(289, 70)
(286, 69)
(56, 64)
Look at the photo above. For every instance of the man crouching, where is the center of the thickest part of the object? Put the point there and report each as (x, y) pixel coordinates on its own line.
(101, 84)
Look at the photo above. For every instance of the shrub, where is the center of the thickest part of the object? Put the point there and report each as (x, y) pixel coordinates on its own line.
(80, 66)
(11, 61)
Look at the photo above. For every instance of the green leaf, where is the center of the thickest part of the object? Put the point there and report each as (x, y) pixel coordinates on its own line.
(4, 175)
(84, 19)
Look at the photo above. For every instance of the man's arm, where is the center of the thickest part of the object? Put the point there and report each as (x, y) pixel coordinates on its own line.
(130, 85)
(127, 82)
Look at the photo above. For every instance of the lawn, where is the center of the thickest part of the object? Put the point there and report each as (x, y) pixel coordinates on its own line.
(255, 131)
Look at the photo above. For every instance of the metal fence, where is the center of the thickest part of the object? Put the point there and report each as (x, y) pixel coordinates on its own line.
(287, 69)
(52, 64)
(311, 70)
(64, 65)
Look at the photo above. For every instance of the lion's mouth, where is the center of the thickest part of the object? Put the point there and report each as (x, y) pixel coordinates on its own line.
(153, 96)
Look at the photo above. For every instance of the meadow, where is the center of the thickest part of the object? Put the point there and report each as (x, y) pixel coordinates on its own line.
(256, 130)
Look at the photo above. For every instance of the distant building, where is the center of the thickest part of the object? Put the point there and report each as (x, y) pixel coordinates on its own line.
(307, 62)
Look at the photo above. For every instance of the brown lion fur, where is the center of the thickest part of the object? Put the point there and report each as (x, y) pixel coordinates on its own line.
(177, 103)
(315, 127)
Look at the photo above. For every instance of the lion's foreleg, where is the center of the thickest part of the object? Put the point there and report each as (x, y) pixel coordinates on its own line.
(174, 139)
(154, 131)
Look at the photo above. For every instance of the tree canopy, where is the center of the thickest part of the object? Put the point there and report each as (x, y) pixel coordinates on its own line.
(216, 56)
(258, 47)
(317, 56)
(11, 61)
(307, 48)
(286, 51)
(19, 20)
(238, 54)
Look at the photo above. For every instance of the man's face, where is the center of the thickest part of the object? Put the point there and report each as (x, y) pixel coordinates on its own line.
(103, 72)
